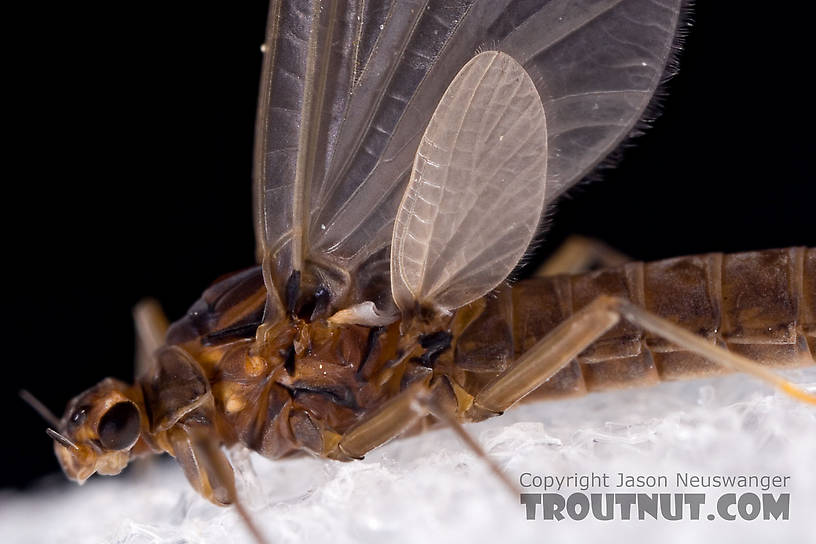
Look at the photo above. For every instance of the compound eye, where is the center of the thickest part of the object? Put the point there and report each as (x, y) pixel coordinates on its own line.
(120, 426)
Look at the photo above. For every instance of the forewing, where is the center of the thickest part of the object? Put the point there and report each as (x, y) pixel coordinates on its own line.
(349, 87)
(477, 188)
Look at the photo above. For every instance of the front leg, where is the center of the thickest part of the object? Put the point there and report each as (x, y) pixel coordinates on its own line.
(208, 469)
(205, 466)
(151, 329)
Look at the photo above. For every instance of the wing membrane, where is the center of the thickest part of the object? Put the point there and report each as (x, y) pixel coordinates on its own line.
(349, 87)
(477, 188)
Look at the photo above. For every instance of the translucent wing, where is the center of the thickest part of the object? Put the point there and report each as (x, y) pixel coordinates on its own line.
(477, 188)
(348, 88)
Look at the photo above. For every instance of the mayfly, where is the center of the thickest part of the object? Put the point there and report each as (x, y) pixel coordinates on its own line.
(404, 154)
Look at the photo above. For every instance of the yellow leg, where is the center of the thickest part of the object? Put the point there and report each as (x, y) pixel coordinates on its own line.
(151, 328)
(578, 254)
(404, 410)
(565, 342)
(208, 470)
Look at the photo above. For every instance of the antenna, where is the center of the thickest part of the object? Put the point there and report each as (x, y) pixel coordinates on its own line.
(61, 439)
(40, 408)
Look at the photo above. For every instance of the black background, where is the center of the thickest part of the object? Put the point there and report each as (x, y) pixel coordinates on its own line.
(128, 174)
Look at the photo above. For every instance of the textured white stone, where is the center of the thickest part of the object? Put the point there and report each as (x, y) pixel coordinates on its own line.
(428, 488)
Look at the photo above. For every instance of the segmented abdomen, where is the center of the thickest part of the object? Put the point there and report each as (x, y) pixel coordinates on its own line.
(760, 304)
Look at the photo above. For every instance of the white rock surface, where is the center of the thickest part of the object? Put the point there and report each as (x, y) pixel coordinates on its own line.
(428, 488)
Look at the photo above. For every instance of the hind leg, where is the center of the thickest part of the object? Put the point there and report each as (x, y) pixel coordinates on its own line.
(574, 335)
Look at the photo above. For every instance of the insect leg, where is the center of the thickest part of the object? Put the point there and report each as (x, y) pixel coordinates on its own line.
(696, 344)
(248, 484)
(404, 410)
(208, 470)
(575, 334)
(444, 414)
(579, 254)
(546, 357)
(151, 328)
(387, 422)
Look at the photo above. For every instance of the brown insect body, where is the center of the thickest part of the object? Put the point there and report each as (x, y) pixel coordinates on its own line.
(310, 381)
(380, 299)
(306, 382)
(759, 304)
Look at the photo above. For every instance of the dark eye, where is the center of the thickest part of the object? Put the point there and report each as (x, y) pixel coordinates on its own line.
(119, 427)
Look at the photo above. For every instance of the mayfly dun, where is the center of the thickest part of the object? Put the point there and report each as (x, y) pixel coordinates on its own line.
(404, 155)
